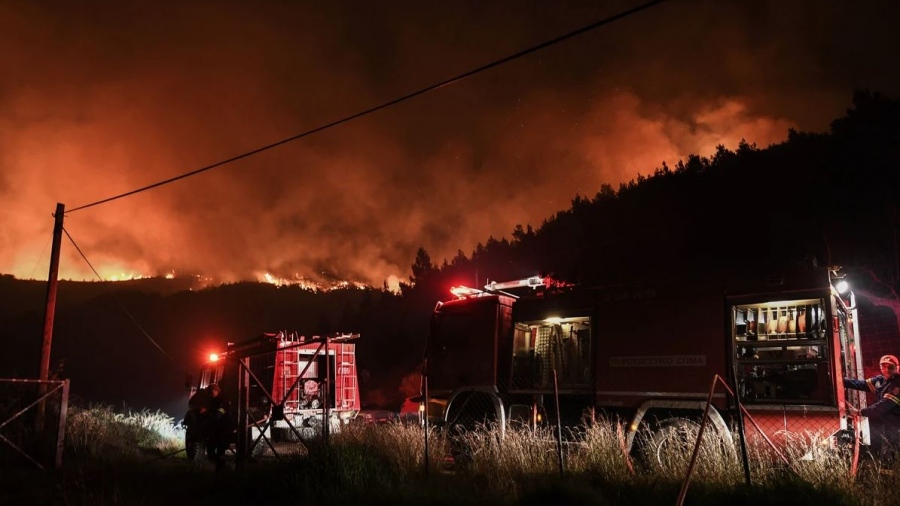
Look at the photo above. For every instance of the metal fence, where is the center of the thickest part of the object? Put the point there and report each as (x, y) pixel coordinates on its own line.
(33, 422)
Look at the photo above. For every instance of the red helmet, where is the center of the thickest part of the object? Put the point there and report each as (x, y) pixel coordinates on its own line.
(889, 359)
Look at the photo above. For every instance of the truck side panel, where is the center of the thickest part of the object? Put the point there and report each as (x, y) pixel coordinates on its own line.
(663, 346)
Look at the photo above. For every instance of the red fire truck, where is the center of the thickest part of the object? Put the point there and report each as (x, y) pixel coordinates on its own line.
(649, 353)
(283, 386)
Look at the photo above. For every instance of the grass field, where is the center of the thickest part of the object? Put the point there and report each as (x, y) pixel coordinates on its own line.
(133, 459)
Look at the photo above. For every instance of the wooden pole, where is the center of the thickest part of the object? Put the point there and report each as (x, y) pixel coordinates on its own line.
(52, 282)
(49, 314)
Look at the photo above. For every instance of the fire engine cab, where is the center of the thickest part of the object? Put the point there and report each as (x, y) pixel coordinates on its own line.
(284, 386)
(649, 353)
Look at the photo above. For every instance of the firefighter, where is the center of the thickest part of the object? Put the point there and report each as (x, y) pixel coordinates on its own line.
(884, 414)
(195, 422)
(218, 428)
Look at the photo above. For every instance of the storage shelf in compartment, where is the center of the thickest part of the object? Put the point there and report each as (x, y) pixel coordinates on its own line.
(786, 360)
(781, 335)
(787, 401)
(781, 342)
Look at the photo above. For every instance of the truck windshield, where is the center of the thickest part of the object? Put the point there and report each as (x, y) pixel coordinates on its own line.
(461, 348)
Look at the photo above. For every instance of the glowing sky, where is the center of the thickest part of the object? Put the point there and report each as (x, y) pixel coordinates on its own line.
(100, 98)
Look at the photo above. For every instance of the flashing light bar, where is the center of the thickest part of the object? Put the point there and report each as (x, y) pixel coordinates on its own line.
(533, 282)
(464, 291)
(213, 357)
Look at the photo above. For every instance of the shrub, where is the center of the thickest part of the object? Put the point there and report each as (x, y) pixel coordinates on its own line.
(100, 432)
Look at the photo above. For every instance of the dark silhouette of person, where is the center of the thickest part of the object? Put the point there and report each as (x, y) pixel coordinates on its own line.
(218, 427)
(195, 422)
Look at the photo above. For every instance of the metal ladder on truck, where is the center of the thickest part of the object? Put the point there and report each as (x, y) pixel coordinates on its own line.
(346, 363)
(290, 372)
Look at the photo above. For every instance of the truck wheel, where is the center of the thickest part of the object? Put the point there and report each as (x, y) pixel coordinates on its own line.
(469, 410)
(671, 443)
(674, 442)
(192, 434)
(191, 446)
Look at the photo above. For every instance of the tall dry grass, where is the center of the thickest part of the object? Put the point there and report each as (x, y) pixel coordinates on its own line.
(506, 460)
(98, 431)
(384, 464)
(601, 450)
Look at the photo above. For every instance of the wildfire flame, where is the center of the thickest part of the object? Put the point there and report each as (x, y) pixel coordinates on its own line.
(309, 284)
(126, 277)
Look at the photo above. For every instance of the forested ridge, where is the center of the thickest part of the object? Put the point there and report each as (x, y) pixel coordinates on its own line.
(829, 198)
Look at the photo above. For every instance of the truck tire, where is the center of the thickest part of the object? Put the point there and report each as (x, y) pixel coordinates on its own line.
(670, 442)
(193, 437)
(674, 441)
(469, 410)
(194, 447)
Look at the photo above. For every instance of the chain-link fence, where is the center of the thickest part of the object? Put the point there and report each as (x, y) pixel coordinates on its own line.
(781, 424)
(32, 422)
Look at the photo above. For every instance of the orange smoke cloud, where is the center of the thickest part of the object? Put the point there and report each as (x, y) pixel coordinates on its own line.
(109, 100)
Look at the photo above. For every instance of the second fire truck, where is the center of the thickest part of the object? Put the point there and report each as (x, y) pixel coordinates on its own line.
(283, 386)
(650, 353)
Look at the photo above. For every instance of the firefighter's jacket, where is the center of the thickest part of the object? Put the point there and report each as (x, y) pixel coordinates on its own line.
(218, 406)
(887, 394)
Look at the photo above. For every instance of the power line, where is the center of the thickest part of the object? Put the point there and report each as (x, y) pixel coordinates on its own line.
(133, 319)
(36, 262)
(385, 105)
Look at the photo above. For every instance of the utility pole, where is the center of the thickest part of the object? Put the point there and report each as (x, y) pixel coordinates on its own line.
(52, 282)
(49, 313)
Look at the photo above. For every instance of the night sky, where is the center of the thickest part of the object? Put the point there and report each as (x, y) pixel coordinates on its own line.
(100, 98)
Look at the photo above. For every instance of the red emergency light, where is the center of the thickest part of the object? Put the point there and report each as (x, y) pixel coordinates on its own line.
(464, 291)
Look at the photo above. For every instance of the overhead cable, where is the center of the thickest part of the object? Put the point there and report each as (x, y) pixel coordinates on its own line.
(385, 105)
(113, 295)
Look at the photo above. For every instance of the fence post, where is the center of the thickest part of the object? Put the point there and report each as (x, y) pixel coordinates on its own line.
(425, 419)
(327, 397)
(559, 455)
(741, 432)
(61, 432)
(242, 413)
(690, 471)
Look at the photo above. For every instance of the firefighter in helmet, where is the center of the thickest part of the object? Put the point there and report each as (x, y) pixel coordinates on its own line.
(218, 428)
(884, 414)
(195, 421)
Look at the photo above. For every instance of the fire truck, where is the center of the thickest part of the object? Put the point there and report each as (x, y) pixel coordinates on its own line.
(282, 386)
(648, 353)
